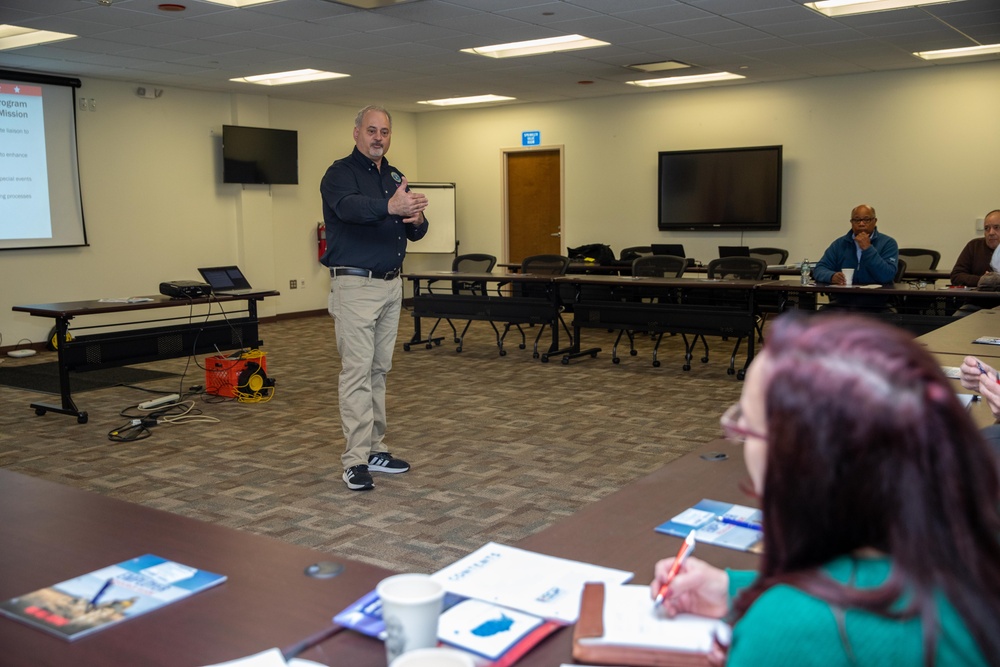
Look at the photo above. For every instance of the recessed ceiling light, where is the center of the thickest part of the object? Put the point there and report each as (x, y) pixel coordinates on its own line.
(285, 78)
(682, 80)
(370, 4)
(964, 52)
(663, 66)
(474, 99)
(170, 7)
(848, 7)
(536, 46)
(16, 37)
(239, 3)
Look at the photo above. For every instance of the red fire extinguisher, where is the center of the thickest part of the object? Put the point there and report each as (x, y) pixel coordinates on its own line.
(321, 239)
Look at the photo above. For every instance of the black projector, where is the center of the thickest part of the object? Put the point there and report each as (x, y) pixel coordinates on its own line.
(185, 289)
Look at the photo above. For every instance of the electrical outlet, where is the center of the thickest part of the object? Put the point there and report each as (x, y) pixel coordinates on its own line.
(293, 284)
(83, 104)
(302, 283)
(92, 104)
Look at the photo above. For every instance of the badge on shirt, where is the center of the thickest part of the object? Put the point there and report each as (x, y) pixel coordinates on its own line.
(396, 177)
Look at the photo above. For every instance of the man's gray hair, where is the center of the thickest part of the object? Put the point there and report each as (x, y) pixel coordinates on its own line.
(360, 118)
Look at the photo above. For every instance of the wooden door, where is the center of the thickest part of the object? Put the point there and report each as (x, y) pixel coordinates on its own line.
(534, 203)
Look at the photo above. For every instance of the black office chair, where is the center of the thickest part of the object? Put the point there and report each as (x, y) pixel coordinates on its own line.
(901, 265)
(651, 266)
(726, 268)
(772, 256)
(768, 303)
(539, 265)
(920, 259)
(468, 263)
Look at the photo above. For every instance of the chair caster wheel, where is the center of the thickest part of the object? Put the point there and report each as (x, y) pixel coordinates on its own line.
(522, 346)
(730, 371)
(686, 367)
(633, 352)
(741, 374)
(565, 361)
(429, 345)
(438, 342)
(656, 364)
(593, 355)
(704, 360)
(40, 411)
(458, 340)
(82, 418)
(406, 347)
(534, 355)
(616, 360)
(458, 349)
(503, 353)
(545, 358)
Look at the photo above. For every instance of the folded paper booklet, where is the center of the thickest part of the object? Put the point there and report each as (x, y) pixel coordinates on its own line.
(987, 340)
(108, 596)
(722, 524)
(494, 636)
(619, 625)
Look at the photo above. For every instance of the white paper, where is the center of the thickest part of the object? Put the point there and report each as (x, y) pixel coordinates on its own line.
(631, 619)
(530, 582)
(269, 658)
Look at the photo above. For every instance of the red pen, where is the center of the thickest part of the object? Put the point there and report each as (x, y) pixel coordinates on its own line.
(687, 548)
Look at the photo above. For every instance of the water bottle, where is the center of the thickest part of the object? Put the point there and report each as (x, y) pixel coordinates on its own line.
(804, 268)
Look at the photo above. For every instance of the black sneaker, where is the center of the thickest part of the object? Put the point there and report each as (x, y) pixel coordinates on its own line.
(358, 479)
(384, 462)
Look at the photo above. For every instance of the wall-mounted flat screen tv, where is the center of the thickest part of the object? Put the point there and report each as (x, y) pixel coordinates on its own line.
(724, 189)
(259, 155)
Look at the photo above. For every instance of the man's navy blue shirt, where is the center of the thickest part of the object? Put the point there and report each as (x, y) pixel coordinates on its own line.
(359, 230)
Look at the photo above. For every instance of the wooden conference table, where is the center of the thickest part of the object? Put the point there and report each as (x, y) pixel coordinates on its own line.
(124, 343)
(52, 532)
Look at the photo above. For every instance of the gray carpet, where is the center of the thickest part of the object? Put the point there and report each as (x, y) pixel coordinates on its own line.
(500, 447)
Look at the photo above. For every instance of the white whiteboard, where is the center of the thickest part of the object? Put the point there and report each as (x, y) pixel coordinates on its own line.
(440, 214)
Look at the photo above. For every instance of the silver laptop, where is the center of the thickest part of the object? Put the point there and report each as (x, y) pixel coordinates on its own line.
(226, 280)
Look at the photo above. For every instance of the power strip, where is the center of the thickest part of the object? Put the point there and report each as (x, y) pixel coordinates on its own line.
(157, 402)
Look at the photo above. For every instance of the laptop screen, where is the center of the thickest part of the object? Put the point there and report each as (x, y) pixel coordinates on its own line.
(675, 249)
(734, 251)
(223, 278)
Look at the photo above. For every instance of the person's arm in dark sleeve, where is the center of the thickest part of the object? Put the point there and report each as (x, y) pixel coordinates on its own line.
(881, 262)
(824, 269)
(418, 231)
(963, 273)
(342, 193)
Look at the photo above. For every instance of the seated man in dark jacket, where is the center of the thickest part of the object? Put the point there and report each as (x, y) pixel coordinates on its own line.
(871, 254)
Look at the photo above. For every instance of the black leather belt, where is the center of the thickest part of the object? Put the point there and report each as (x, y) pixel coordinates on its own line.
(363, 273)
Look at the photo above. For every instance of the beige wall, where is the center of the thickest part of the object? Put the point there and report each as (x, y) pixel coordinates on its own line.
(917, 144)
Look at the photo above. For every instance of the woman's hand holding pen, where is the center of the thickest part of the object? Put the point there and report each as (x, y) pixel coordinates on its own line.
(698, 588)
(972, 370)
(981, 378)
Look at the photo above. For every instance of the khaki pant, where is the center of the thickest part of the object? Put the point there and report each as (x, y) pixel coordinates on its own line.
(366, 318)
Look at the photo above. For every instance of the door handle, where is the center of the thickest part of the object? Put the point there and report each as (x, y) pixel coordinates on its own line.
(556, 234)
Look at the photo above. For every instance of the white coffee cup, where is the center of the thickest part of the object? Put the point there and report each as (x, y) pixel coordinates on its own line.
(411, 605)
(848, 276)
(434, 657)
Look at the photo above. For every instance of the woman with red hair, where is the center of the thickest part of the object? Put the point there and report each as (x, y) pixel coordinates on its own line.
(879, 500)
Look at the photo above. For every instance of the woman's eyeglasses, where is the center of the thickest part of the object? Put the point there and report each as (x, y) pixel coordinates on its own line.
(731, 428)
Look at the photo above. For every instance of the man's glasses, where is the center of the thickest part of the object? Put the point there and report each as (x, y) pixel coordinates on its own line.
(731, 428)
(864, 220)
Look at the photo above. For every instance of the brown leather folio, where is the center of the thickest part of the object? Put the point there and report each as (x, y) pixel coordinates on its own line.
(590, 626)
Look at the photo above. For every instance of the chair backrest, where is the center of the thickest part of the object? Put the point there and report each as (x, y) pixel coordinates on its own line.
(751, 268)
(475, 262)
(900, 270)
(659, 266)
(632, 252)
(770, 255)
(545, 265)
(920, 259)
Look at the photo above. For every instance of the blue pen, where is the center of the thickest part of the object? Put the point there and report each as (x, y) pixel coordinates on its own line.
(983, 371)
(742, 523)
(93, 600)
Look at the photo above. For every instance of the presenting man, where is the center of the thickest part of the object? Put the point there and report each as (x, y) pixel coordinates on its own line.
(974, 261)
(871, 254)
(369, 214)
